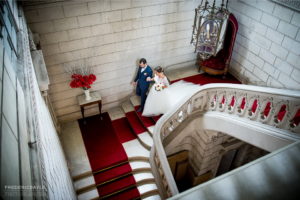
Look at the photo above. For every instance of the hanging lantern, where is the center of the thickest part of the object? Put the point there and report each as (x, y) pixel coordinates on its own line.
(209, 28)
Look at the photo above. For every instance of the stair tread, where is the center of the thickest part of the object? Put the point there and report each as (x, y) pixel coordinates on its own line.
(143, 176)
(146, 138)
(135, 123)
(84, 182)
(147, 187)
(123, 130)
(132, 193)
(135, 100)
(92, 194)
(112, 173)
(116, 186)
(147, 121)
(134, 148)
(154, 197)
(139, 164)
(127, 107)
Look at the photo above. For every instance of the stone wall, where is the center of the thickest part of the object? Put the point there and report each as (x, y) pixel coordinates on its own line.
(110, 36)
(267, 47)
(204, 147)
(26, 160)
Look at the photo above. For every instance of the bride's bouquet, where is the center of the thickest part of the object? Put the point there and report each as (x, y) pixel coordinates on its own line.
(158, 87)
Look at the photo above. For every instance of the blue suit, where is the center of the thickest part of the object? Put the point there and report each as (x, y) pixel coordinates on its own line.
(142, 83)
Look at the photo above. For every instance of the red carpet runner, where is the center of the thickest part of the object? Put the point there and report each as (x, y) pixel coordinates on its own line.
(204, 78)
(107, 154)
(122, 129)
(135, 123)
(101, 143)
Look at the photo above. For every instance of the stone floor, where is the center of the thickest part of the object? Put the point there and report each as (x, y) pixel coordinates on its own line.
(74, 148)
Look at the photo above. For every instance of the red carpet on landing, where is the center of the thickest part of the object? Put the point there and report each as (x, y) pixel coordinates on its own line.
(204, 78)
(101, 143)
(105, 151)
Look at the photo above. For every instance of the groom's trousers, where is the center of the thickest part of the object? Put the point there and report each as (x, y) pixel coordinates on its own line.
(142, 93)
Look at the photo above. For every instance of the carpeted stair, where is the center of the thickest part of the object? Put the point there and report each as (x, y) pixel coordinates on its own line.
(135, 123)
(108, 160)
(131, 193)
(102, 145)
(123, 130)
(113, 174)
(147, 121)
(117, 187)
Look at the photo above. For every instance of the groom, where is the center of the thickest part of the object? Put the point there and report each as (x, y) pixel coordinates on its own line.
(141, 82)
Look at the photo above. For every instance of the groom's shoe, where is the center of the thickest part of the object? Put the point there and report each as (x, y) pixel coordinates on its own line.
(140, 109)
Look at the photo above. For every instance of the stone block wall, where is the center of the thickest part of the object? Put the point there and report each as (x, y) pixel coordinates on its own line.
(267, 48)
(111, 36)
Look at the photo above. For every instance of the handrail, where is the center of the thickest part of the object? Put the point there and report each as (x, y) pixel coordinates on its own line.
(233, 99)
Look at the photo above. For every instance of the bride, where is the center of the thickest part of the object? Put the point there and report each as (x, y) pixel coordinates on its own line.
(163, 96)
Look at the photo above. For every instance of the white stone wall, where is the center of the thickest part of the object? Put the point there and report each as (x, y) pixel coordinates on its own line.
(52, 163)
(110, 35)
(267, 48)
(30, 152)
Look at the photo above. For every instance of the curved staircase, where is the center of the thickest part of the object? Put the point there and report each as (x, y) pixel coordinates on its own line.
(133, 178)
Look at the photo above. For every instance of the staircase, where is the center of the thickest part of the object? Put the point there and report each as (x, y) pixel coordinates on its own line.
(137, 146)
(132, 179)
(140, 148)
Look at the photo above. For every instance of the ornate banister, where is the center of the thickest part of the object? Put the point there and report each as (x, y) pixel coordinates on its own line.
(274, 110)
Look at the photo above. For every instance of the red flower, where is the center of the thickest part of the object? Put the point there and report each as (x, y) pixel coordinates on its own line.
(84, 81)
(92, 77)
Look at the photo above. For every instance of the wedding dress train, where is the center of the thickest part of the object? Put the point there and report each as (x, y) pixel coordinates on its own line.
(159, 102)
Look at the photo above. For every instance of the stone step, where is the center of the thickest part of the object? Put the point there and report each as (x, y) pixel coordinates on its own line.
(146, 138)
(92, 194)
(135, 100)
(154, 197)
(134, 148)
(81, 183)
(116, 113)
(146, 188)
(139, 164)
(127, 106)
(142, 176)
(141, 132)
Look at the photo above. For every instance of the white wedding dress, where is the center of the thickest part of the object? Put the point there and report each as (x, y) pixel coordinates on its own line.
(159, 102)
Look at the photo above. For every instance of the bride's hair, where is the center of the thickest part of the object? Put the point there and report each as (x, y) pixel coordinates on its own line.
(159, 69)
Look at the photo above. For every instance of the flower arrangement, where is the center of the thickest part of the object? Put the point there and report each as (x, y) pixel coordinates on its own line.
(84, 81)
(159, 86)
(82, 76)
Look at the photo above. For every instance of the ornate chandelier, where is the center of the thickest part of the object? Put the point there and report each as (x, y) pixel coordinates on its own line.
(209, 28)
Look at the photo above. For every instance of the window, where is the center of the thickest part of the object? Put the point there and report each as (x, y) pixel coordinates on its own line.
(8, 21)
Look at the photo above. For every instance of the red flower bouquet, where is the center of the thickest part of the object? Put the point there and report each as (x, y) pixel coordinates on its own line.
(84, 81)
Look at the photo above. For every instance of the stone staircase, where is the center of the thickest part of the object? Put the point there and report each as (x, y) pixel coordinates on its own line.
(142, 128)
(138, 152)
